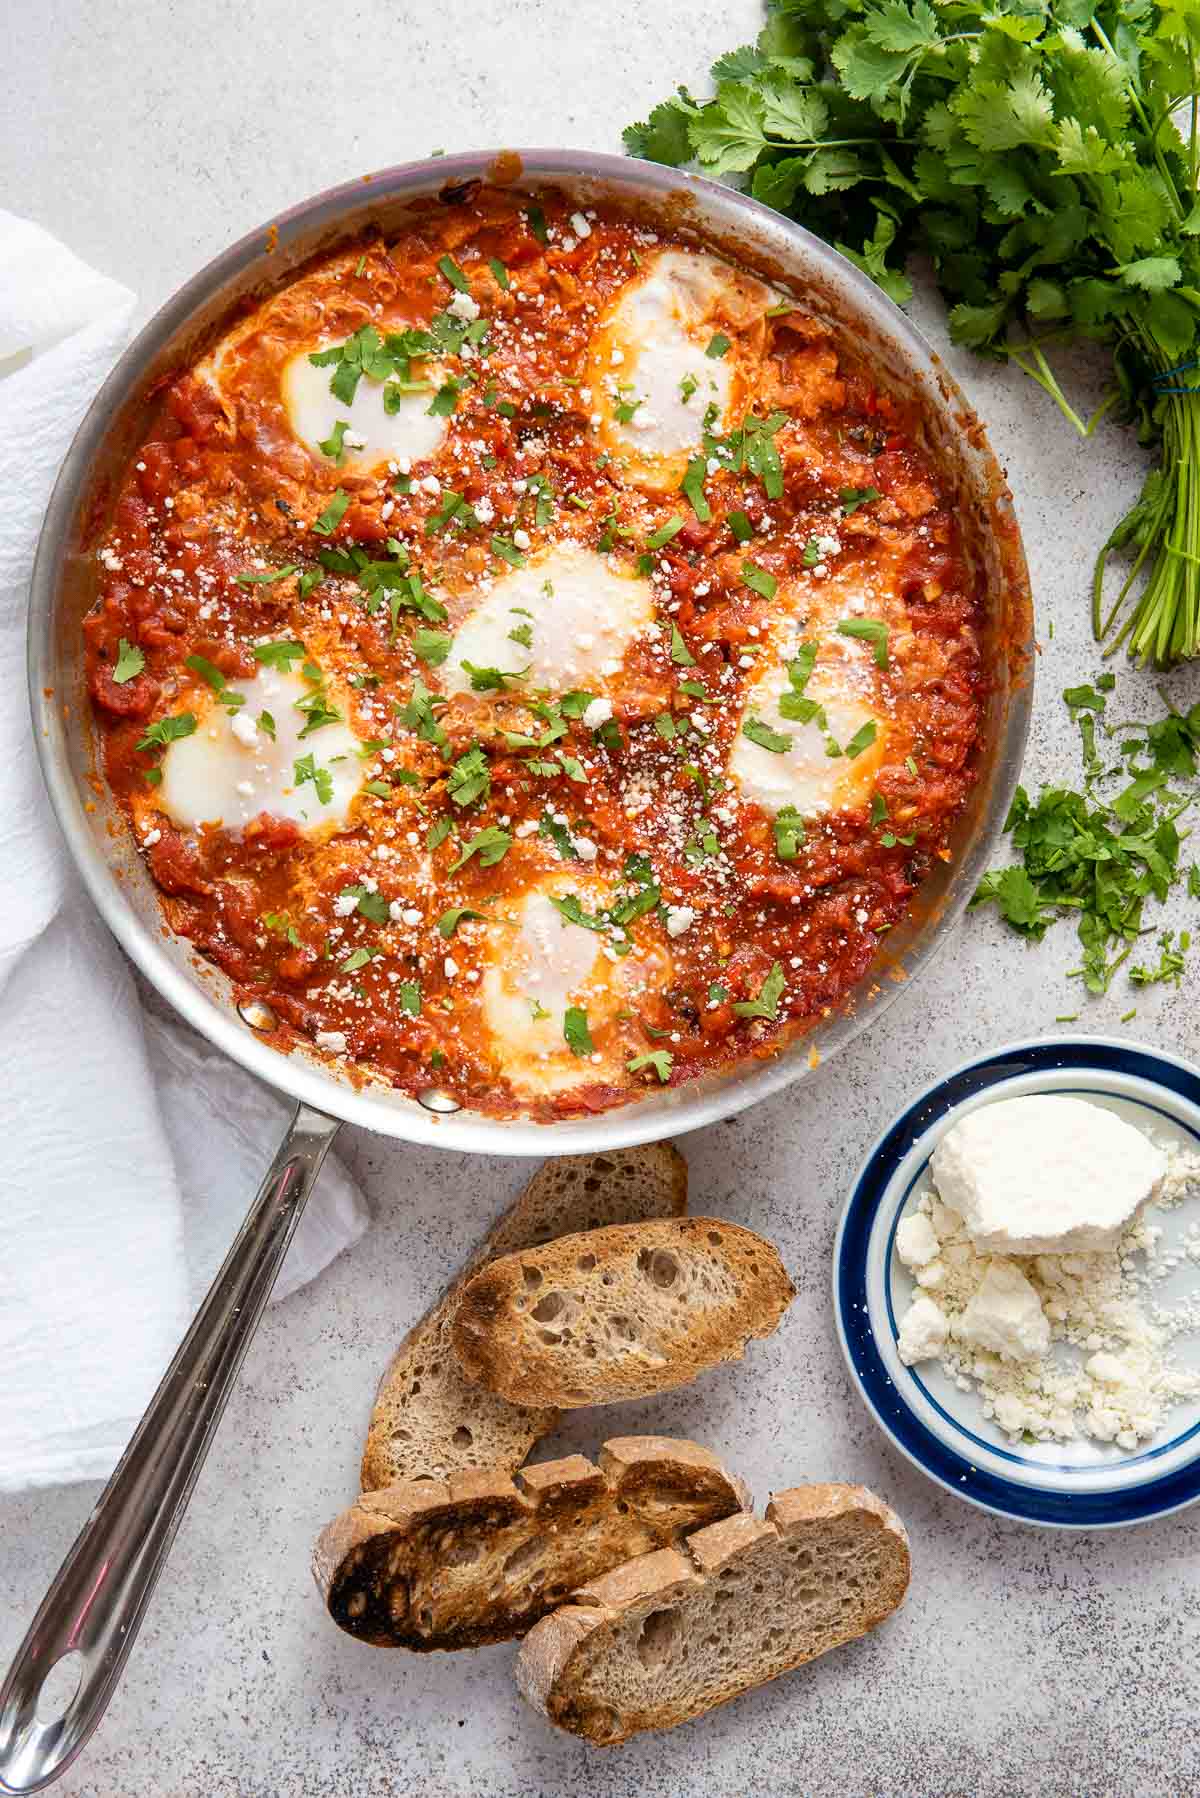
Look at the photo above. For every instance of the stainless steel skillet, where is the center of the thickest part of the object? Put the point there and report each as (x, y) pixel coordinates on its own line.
(86, 1626)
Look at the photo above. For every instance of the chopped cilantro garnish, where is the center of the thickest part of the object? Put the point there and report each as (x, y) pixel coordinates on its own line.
(508, 552)
(130, 662)
(692, 488)
(559, 835)
(575, 1031)
(718, 345)
(409, 994)
(431, 646)
(358, 958)
(470, 778)
(862, 739)
(571, 908)
(789, 833)
(775, 740)
(267, 576)
(680, 653)
(333, 514)
(306, 768)
(658, 1059)
(371, 904)
(665, 532)
(767, 1003)
(536, 220)
(450, 920)
(499, 273)
(167, 730)
(445, 400)
(454, 274)
(490, 844)
(870, 630)
(279, 923)
(759, 580)
(331, 446)
(854, 497)
(741, 527)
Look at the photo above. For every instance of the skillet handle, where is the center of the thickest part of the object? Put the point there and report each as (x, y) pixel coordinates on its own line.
(90, 1617)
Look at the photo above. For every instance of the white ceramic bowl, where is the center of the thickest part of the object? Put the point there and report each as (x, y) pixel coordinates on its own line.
(1080, 1484)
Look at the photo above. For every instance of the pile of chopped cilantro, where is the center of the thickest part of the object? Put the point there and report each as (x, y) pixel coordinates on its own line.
(1100, 854)
(1030, 149)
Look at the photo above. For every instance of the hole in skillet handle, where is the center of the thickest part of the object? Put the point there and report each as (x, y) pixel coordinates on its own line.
(60, 1687)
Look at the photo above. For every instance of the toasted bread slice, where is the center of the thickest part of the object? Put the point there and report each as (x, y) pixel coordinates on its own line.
(456, 1427)
(667, 1637)
(427, 1565)
(619, 1312)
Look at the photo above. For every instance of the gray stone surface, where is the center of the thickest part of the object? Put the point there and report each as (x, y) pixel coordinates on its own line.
(1025, 1662)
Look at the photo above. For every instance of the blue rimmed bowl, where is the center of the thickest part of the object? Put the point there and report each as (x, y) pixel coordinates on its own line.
(942, 1430)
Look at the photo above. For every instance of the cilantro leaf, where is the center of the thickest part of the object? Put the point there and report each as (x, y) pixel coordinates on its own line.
(870, 630)
(129, 663)
(775, 740)
(450, 920)
(575, 1031)
(660, 1060)
(766, 1005)
(167, 730)
(332, 516)
(490, 844)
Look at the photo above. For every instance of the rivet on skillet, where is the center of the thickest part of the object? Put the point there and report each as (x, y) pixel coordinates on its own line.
(436, 1098)
(460, 193)
(258, 1014)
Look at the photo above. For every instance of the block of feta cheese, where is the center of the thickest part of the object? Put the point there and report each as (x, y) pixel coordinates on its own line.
(922, 1331)
(1045, 1174)
(1005, 1315)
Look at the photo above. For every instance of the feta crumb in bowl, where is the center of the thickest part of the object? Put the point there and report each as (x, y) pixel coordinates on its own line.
(1035, 1352)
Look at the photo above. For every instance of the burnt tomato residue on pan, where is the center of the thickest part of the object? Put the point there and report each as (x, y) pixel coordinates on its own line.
(595, 740)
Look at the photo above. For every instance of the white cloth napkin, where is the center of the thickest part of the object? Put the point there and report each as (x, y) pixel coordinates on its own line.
(131, 1150)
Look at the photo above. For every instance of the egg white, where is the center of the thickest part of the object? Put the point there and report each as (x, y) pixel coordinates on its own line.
(582, 611)
(805, 776)
(650, 348)
(536, 958)
(313, 410)
(230, 770)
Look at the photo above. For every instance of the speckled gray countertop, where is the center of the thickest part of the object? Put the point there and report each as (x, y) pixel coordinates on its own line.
(1025, 1662)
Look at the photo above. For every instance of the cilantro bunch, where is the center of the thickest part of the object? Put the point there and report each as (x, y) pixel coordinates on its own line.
(1033, 151)
(1097, 856)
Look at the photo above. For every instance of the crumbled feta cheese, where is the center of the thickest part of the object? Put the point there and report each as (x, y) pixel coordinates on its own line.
(244, 729)
(596, 713)
(463, 306)
(332, 1040)
(916, 1242)
(922, 1332)
(679, 919)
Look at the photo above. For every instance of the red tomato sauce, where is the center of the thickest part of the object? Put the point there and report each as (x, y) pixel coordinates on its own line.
(743, 933)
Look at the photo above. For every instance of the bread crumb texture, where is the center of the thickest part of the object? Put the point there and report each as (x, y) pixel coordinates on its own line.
(427, 1564)
(667, 1637)
(428, 1421)
(620, 1312)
